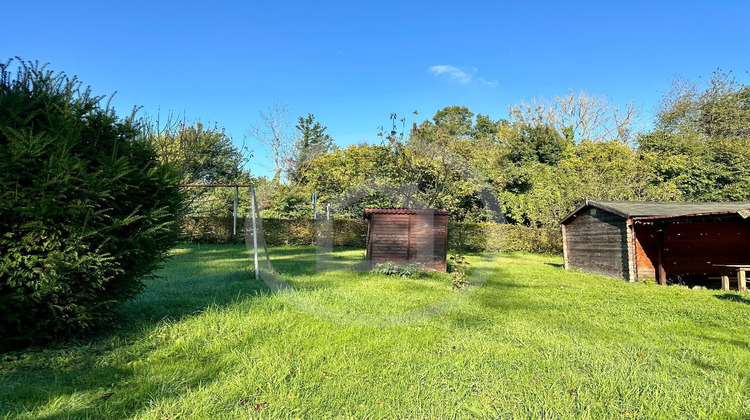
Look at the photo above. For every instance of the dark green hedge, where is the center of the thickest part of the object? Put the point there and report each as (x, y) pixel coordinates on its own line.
(219, 230)
(461, 236)
(210, 230)
(503, 237)
(346, 232)
(86, 210)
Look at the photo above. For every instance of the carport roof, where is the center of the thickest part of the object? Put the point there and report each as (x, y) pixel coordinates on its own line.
(664, 210)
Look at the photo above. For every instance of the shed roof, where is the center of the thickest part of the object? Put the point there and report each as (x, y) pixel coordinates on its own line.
(370, 211)
(664, 210)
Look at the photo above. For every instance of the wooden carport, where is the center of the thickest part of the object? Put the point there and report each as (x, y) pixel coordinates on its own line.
(665, 241)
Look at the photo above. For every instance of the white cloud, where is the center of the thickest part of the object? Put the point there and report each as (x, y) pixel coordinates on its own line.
(493, 84)
(453, 73)
(463, 77)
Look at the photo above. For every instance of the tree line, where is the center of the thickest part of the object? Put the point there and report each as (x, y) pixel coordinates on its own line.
(531, 169)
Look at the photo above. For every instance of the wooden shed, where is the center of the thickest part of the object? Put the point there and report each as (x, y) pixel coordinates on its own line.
(407, 236)
(641, 240)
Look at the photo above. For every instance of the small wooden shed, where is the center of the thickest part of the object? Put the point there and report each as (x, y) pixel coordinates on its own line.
(641, 240)
(407, 236)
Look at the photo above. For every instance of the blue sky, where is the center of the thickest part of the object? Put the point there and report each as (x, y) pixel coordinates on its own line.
(353, 63)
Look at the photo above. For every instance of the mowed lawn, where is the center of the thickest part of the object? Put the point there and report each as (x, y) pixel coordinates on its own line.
(208, 341)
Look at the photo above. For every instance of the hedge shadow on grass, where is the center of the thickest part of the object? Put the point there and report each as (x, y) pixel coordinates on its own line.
(68, 380)
(34, 381)
(303, 260)
(217, 277)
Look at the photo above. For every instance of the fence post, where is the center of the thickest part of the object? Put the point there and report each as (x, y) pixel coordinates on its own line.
(255, 232)
(315, 205)
(234, 213)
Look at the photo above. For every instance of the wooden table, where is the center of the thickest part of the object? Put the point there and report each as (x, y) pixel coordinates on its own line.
(741, 278)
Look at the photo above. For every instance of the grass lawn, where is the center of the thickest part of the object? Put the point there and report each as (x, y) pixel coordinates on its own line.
(208, 341)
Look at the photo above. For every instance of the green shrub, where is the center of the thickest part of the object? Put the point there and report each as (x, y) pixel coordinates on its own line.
(86, 211)
(458, 267)
(390, 268)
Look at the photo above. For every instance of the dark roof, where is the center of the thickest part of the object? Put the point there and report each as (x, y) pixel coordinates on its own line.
(369, 212)
(664, 210)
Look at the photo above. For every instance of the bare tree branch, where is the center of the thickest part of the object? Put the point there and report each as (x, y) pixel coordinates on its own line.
(580, 116)
(272, 130)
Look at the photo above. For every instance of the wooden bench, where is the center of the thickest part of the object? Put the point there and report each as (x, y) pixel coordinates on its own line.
(741, 278)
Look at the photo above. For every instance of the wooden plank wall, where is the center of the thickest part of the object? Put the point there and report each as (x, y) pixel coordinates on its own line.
(389, 238)
(402, 238)
(596, 242)
(647, 248)
(428, 240)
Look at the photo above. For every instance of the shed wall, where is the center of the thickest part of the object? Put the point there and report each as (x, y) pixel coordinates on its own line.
(596, 242)
(404, 238)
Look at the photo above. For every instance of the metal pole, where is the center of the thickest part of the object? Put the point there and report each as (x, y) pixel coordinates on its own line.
(315, 206)
(255, 232)
(234, 214)
(328, 212)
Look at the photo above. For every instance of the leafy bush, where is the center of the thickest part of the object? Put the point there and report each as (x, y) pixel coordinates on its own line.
(86, 211)
(410, 269)
(457, 267)
(390, 268)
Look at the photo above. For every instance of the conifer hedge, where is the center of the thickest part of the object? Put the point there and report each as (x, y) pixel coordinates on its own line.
(86, 211)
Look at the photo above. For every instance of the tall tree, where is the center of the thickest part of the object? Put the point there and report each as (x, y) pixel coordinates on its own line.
(485, 128)
(454, 121)
(722, 109)
(312, 142)
(537, 144)
(201, 154)
(701, 138)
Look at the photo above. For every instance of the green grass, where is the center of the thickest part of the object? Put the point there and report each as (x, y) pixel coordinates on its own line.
(535, 341)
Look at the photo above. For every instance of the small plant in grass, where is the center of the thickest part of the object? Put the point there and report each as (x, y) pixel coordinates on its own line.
(390, 268)
(410, 269)
(457, 267)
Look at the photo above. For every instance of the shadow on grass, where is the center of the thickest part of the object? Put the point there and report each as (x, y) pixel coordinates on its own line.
(35, 380)
(196, 277)
(68, 380)
(293, 261)
(734, 298)
(502, 293)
